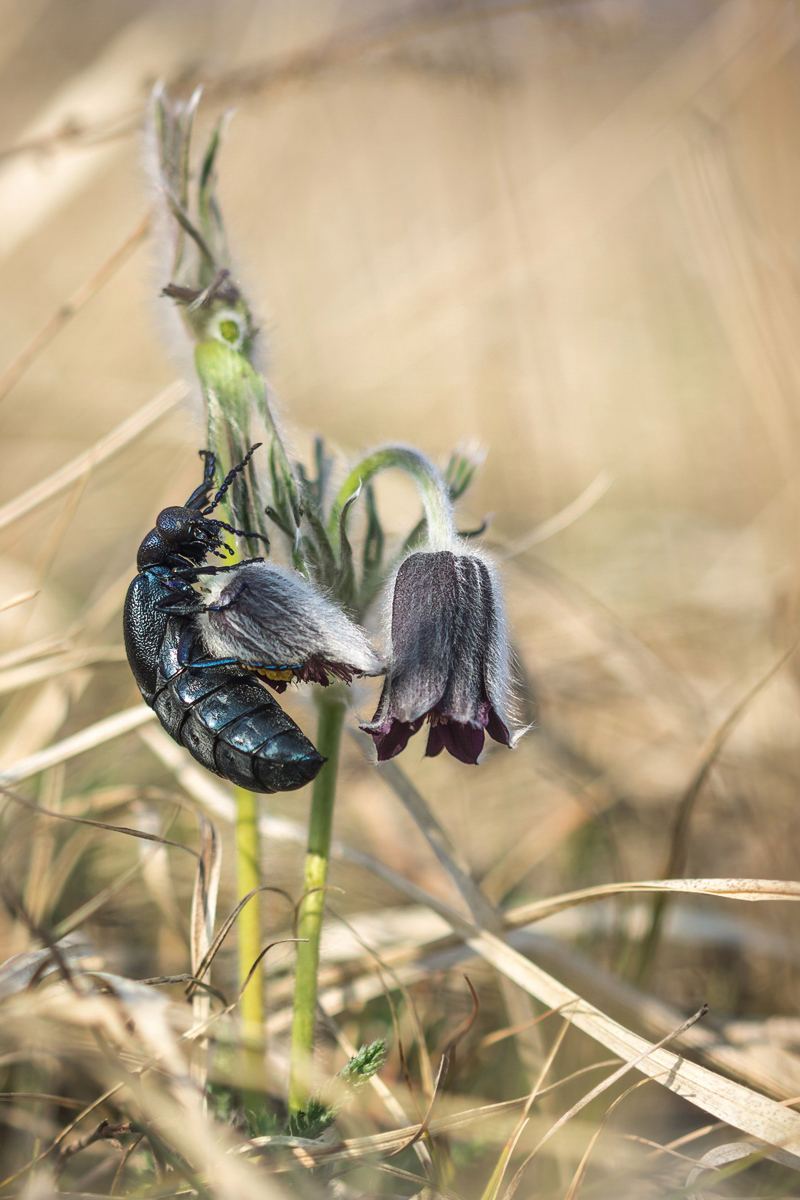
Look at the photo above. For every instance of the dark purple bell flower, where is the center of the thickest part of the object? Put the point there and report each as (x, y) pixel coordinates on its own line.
(449, 660)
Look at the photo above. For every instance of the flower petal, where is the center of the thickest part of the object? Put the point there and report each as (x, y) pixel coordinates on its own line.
(464, 742)
(423, 622)
(392, 736)
(497, 729)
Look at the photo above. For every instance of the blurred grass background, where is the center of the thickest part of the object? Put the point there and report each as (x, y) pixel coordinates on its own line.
(568, 231)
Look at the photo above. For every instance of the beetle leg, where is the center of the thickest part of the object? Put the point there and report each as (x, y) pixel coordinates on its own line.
(271, 671)
(199, 496)
(212, 569)
(194, 606)
(215, 662)
(185, 644)
(180, 610)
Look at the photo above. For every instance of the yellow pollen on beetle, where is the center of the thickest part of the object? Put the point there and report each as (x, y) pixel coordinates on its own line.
(277, 674)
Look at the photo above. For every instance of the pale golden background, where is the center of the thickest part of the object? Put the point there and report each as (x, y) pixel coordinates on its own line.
(568, 232)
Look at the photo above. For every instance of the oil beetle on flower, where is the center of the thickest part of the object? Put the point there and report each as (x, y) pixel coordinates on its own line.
(216, 708)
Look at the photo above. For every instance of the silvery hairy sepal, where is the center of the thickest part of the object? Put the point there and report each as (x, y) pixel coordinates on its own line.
(450, 660)
(273, 619)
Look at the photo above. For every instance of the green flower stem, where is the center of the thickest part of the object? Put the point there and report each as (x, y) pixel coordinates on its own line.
(227, 380)
(332, 711)
(248, 926)
(431, 487)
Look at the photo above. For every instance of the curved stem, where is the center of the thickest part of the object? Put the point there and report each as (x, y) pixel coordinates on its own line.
(332, 710)
(431, 487)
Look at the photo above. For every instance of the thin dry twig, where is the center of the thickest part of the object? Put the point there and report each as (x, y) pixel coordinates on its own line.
(61, 317)
(103, 449)
(105, 1131)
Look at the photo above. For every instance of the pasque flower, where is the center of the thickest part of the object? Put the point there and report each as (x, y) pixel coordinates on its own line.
(270, 618)
(449, 660)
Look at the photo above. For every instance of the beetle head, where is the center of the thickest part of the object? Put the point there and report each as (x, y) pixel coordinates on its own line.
(185, 533)
(181, 535)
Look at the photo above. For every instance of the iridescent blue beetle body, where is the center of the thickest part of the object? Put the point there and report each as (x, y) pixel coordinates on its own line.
(218, 710)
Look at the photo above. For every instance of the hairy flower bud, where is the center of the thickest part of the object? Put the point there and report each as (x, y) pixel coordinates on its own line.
(272, 619)
(449, 658)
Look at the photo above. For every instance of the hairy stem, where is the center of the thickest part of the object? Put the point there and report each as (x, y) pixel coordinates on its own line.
(332, 710)
(431, 487)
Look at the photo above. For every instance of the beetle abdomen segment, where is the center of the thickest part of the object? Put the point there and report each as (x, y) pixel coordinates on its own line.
(281, 764)
(282, 757)
(237, 730)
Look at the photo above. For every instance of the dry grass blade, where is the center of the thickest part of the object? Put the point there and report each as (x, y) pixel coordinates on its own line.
(71, 660)
(201, 933)
(596, 1091)
(465, 1026)
(729, 1160)
(312, 1154)
(679, 837)
(518, 1004)
(315, 1154)
(500, 1035)
(21, 970)
(580, 1170)
(740, 1106)
(414, 803)
(41, 1097)
(492, 1189)
(204, 895)
(22, 598)
(426, 1190)
(775, 1073)
(441, 1076)
(561, 520)
(103, 449)
(730, 889)
(54, 644)
(225, 928)
(88, 739)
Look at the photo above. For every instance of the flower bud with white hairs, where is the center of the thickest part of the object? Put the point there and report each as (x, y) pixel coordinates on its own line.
(272, 619)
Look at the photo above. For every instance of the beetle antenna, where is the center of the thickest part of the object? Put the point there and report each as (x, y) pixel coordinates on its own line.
(226, 483)
(246, 533)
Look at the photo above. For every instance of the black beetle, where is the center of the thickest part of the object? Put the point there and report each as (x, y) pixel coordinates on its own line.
(217, 709)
